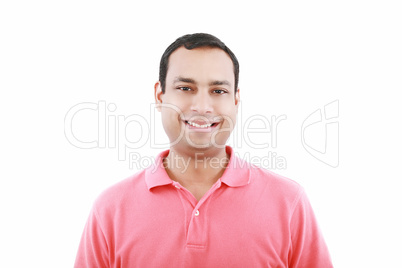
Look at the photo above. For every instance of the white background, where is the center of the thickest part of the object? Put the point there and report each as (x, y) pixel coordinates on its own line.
(295, 57)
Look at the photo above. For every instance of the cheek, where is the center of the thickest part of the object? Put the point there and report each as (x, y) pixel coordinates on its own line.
(170, 115)
(230, 114)
(230, 123)
(177, 104)
(171, 125)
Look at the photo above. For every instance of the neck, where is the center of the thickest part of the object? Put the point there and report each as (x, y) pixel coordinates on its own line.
(201, 168)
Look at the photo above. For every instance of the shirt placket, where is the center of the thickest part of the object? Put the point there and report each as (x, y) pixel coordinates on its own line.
(196, 214)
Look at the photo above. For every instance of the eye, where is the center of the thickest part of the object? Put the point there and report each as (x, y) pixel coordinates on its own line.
(219, 91)
(184, 88)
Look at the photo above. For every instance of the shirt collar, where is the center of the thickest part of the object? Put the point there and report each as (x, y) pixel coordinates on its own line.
(156, 175)
(236, 174)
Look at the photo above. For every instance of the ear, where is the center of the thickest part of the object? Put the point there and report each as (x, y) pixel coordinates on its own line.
(158, 94)
(237, 97)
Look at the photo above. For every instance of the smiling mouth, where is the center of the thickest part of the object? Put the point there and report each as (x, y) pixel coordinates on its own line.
(193, 124)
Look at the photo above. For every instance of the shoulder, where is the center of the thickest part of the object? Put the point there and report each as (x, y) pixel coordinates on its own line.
(262, 175)
(122, 191)
(276, 185)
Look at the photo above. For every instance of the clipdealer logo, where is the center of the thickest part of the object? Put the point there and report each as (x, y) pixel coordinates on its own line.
(113, 132)
(320, 134)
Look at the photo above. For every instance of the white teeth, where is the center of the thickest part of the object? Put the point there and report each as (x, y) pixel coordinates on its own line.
(199, 126)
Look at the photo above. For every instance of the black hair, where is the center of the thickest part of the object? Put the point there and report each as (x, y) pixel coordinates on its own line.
(191, 41)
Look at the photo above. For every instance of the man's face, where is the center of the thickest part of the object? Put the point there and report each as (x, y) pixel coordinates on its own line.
(199, 105)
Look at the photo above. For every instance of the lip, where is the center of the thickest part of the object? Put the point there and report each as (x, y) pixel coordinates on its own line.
(201, 123)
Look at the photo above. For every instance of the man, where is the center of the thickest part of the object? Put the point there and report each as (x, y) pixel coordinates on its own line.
(199, 205)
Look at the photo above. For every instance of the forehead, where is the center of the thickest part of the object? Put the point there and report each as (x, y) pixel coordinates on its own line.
(200, 63)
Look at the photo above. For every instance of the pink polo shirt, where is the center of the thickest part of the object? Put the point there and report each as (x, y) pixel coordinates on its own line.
(250, 217)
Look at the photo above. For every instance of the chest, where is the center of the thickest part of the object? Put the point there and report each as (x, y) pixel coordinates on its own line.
(224, 227)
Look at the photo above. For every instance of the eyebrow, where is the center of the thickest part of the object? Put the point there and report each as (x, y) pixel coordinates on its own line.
(192, 81)
(184, 79)
(220, 83)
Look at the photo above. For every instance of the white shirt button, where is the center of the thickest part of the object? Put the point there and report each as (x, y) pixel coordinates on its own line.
(197, 213)
(177, 186)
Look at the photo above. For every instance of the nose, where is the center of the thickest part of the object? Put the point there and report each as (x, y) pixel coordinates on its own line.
(202, 103)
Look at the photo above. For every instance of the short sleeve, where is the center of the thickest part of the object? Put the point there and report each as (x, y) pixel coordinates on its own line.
(308, 247)
(93, 248)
